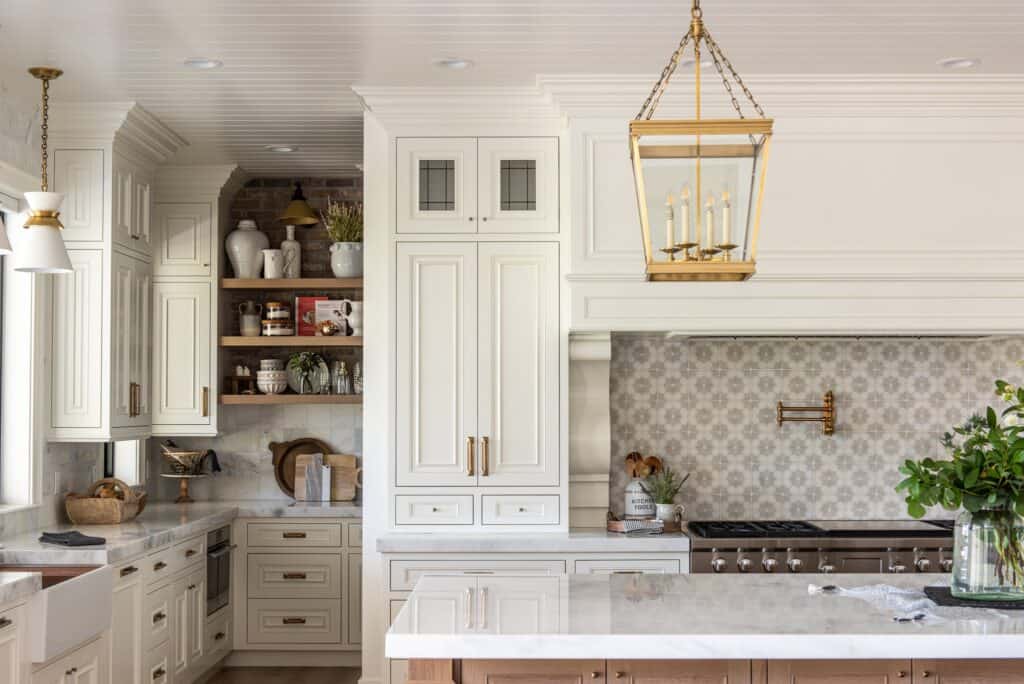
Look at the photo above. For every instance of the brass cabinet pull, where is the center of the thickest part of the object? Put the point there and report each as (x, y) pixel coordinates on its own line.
(595, 675)
(470, 456)
(206, 402)
(925, 674)
(190, 553)
(158, 673)
(159, 565)
(620, 675)
(294, 621)
(485, 456)
(900, 674)
(5, 623)
(219, 636)
(130, 570)
(191, 587)
(294, 535)
(131, 399)
(294, 575)
(68, 673)
(159, 617)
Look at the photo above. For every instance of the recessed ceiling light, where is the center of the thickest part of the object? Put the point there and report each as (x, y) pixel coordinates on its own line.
(688, 62)
(454, 63)
(203, 63)
(959, 62)
(280, 148)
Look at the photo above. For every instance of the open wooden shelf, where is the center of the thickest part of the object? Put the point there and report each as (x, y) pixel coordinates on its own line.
(291, 283)
(265, 399)
(291, 341)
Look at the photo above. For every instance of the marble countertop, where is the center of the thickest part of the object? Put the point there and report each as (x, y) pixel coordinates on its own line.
(16, 585)
(758, 616)
(158, 525)
(582, 540)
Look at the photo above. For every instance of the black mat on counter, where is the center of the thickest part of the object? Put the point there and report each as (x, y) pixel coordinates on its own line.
(944, 597)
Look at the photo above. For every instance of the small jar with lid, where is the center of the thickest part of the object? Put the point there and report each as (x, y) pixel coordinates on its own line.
(276, 311)
(278, 328)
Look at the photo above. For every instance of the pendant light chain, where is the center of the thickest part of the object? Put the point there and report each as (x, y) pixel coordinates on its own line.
(716, 50)
(46, 125)
(651, 103)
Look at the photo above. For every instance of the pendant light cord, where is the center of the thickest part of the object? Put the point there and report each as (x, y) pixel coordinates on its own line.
(46, 125)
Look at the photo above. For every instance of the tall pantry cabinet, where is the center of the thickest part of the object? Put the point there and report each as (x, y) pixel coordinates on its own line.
(477, 332)
(104, 159)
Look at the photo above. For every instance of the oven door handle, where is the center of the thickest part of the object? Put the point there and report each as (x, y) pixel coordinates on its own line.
(219, 553)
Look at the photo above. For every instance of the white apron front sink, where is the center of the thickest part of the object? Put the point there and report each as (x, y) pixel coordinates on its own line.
(73, 607)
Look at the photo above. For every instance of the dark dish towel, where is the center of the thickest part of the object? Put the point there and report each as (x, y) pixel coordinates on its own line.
(944, 597)
(73, 538)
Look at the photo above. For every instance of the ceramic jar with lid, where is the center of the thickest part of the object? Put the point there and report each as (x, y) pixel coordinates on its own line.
(245, 247)
(281, 327)
(277, 311)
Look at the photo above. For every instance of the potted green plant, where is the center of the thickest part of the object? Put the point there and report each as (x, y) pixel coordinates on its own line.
(663, 486)
(306, 364)
(344, 224)
(985, 477)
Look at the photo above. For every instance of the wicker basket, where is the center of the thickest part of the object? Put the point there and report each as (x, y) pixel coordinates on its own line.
(109, 502)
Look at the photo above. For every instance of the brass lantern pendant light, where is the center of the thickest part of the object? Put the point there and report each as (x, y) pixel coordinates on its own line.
(298, 212)
(704, 177)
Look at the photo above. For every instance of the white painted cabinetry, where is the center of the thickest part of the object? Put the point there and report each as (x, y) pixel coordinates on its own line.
(131, 358)
(79, 174)
(126, 622)
(88, 664)
(182, 352)
(477, 185)
(14, 665)
(477, 365)
(185, 240)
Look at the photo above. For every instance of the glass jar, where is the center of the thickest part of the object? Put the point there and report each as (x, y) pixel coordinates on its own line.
(980, 571)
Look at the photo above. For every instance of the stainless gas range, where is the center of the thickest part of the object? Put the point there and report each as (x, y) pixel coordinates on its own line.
(859, 546)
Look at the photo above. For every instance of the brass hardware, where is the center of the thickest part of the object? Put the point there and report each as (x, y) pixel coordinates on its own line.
(68, 673)
(485, 456)
(827, 411)
(294, 575)
(470, 456)
(595, 675)
(45, 74)
(131, 569)
(5, 623)
(925, 674)
(159, 565)
(190, 553)
(158, 617)
(191, 587)
(158, 673)
(219, 636)
(131, 399)
(294, 621)
(620, 675)
(901, 674)
(206, 402)
(294, 535)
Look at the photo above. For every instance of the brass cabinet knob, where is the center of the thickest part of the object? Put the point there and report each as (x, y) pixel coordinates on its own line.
(925, 674)
(900, 674)
(595, 675)
(620, 675)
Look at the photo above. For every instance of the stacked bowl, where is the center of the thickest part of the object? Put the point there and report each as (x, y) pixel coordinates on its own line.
(271, 378)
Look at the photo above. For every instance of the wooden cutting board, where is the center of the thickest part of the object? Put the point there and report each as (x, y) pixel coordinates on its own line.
(285, 454)
(344, 475)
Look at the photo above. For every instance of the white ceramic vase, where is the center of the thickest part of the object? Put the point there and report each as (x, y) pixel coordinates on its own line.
(347, 259)
(638, 504)
(292, 252)
(668, 513)
(273, 264)
(244, 246)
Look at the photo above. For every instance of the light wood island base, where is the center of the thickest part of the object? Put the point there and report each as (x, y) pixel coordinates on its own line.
(900, 671)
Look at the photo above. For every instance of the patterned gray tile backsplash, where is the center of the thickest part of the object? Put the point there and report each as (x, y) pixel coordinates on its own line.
(707, 406)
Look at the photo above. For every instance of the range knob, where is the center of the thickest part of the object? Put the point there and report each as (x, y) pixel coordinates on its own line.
(945, 564)
(717, 562)
(792, 562)
(768, 562)
(921, 564)
(896, 565)
(743, 564)
(824, 565)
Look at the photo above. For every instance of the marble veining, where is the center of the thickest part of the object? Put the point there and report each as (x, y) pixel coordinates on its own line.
(17, 585)
(584, 540)
(686, 617)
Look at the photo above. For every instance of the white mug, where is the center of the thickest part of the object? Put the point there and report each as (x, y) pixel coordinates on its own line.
(273, 263)
(355, 318)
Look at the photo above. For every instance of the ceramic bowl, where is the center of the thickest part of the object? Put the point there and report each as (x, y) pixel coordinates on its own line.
(272, 382)
(271, 365)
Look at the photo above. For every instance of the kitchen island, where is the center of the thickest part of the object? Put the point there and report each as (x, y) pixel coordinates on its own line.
(685, 628)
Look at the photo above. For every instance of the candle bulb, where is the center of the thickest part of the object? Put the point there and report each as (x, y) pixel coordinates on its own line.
(684, 211)
(709, 223)
(670, 223)
(726, 219)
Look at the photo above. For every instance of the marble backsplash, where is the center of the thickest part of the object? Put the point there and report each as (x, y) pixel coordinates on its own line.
(707, 406)
(242, 448)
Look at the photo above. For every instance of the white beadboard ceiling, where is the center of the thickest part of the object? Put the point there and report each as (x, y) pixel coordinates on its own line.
(289, 64)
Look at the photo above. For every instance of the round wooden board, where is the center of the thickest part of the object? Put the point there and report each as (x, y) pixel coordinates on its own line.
(285, 454)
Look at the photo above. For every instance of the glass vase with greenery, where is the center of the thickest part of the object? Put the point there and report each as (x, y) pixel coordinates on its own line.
(305, 364)
(985, 477)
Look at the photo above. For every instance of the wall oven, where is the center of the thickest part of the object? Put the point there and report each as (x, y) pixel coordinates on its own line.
(218, 569)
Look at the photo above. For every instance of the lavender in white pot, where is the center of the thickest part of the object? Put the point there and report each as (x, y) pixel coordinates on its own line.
(344, 224)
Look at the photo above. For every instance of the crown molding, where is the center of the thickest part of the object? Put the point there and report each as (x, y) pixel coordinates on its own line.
(416, 103)
(103, 123)
(15, 182)
(206, 180)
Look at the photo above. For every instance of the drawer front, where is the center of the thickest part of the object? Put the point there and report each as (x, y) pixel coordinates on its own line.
(125, 573)
(294, 535)
(294, 621)
(218, 637)
(190, 552)
(156, 668)
(156, 618)
(294, 575)
(424, 509)
(355, 536)
(405, 573)
(160, 565)
(628, 566)
(525, 509)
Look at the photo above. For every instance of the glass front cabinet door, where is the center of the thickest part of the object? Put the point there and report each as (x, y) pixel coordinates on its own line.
(477, 185)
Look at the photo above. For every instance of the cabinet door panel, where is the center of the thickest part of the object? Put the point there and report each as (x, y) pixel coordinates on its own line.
(121, 338)
(838, 671)
(355, 599)
(125, 634)
(518, 385)
(122, 199)
(436, 365)
(518, 187)
(14, 664)
(142, 208)
(184, 236)
(969, 671)
(436, 185)
(181, 347)
(679, 671)
(79, 175)
(77, 340)
(142, 340)
(195, 585)
(532, 672)
(179, 628)
(518, 605)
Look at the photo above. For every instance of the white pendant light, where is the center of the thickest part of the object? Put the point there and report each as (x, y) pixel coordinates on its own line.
(41, 247)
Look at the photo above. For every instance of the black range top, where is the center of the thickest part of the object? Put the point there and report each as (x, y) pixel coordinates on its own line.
(759, 529)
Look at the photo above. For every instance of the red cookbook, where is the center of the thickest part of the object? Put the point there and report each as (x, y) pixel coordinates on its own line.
(305, 315)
